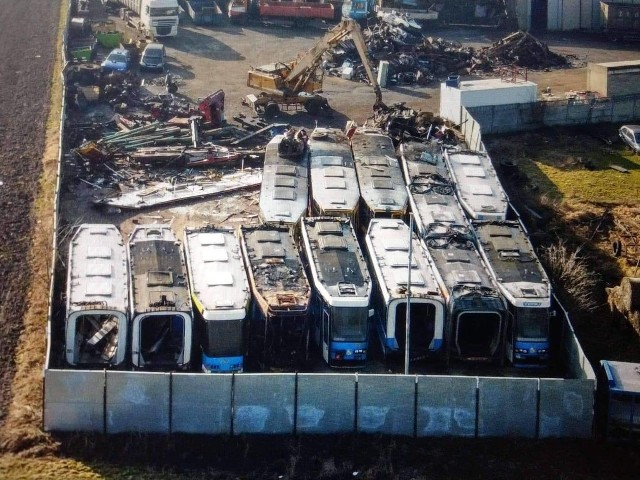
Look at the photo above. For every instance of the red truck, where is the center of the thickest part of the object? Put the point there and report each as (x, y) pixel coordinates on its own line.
(300, 12)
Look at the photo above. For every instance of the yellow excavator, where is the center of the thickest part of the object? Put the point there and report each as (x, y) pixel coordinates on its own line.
(297, 84)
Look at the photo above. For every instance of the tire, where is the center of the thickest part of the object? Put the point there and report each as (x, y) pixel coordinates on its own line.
(271, 110)
(617, 248)
(312, 106)
(315, 106)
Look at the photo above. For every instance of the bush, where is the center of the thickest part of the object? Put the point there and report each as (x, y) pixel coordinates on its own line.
(569, 272)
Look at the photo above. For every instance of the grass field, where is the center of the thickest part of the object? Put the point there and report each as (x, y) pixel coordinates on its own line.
(573, 163)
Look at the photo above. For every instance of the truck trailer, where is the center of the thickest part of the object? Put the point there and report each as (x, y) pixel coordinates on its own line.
(205, 12)
(364, 10)
(290, 12)
(620, 20)
(157, 18)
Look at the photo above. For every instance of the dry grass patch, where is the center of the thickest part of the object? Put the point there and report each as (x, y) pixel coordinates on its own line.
(16, 467)
(569, 269)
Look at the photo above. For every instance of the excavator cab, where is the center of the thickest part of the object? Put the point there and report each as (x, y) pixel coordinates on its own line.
(272, 79)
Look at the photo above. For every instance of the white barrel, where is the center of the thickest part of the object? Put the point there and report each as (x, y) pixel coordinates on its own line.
(383, 71)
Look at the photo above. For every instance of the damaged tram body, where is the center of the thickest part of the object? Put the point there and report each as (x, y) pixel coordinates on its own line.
(162, 327)
(514, 266)
(342, 290)
(476, 311)
(279, 327)
(400, 291)
(96, 326)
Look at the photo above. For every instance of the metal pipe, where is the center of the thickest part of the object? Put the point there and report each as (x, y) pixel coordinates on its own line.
(407, 321)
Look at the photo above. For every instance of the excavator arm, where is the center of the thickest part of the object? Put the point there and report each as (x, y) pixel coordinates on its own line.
(305, 67)
(361, 46)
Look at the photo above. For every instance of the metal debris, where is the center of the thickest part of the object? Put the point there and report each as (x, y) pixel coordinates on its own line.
(418, 59)
(524, 50)
(165, 193)
(400, 121)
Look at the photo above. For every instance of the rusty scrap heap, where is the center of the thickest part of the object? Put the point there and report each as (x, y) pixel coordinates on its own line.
(418, 59)
(524, 50)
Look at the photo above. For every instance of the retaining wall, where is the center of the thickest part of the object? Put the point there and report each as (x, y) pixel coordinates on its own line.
(325, 403)
(496, 119)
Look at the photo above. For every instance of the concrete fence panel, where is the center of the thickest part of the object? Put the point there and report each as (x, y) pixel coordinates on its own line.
(74, 400)
(566, 408)
(519, 117)
(476, 139)
(507, 118)
(264, 403)
(201, 403)
(600, 111)
(507, 407)
(471, 130)
(446, 406)
(574, 363)
(386, 404)
(470, 124)
(622, 109)
(577, 364)
(555, 113)
(578, 113)
(326, 403)
(138, 402)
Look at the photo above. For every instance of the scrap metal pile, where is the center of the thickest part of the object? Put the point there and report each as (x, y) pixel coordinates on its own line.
(415, 58)
(524, 50)
(401, 122)
(137, 148)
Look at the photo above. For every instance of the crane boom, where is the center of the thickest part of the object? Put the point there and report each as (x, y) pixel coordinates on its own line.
(285, 82)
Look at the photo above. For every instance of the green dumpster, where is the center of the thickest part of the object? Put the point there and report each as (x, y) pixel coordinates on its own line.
(109, 39)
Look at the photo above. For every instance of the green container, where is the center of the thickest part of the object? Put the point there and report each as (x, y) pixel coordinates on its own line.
(82, 53)
(109, 39)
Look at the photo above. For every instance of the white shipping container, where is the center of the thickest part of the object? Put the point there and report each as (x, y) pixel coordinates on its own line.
(480, 93)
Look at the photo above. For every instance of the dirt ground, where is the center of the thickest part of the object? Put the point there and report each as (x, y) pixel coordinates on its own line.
(210, 59)
(27, 49)
(207, 59)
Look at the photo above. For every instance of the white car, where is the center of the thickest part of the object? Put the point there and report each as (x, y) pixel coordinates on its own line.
(630, 134)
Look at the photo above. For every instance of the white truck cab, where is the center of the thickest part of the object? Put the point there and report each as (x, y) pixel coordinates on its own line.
(158, 18)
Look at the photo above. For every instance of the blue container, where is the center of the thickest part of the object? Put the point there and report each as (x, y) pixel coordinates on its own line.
(453, 81)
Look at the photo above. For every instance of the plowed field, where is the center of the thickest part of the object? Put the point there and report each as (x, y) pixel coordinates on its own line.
(28, 31)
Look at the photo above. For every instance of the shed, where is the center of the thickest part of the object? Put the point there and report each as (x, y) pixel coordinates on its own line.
(479, 93)
(620, 390)
(613, 79)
